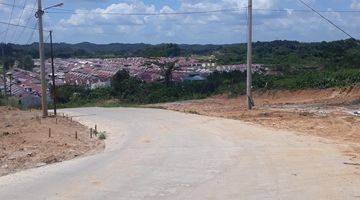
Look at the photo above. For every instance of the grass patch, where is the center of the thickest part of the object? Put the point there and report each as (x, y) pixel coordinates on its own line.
(101, 135)
(193, 112)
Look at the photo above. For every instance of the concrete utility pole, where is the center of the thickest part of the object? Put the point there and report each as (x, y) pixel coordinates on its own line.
(39, 15)
(250, 102)
(53, 72)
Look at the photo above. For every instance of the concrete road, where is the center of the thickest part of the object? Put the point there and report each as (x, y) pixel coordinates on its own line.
(159, 154)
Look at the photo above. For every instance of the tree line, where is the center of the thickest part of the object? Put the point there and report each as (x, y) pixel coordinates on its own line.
(341, 53)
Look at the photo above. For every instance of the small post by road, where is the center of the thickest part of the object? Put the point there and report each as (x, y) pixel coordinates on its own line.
(49, 132)
(76, 135)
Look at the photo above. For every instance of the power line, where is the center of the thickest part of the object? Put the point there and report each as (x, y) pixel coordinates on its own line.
(32, 33)
(27, 20)
(18, 23)
(25, 27)
(143, 14)
(64, 11)
(306, 11)
(15, 5)
(61, 10)
(195, 12)
(7, 28)
(10, 24)
(328, 20)
(47, 39)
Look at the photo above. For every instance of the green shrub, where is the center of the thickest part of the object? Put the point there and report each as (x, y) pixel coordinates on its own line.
(10, 101)
(101, 135)
(317, 79)
(193, 112)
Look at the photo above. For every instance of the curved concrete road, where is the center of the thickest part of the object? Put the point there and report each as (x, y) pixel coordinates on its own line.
(159, 154)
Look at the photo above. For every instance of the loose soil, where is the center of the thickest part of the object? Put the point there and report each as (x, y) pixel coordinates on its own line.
(25, 141)
(325, 113)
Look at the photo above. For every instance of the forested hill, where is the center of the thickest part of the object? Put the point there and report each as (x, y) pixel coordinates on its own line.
(344, 53)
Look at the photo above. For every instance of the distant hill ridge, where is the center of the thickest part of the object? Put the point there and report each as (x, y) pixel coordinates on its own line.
(279, 52)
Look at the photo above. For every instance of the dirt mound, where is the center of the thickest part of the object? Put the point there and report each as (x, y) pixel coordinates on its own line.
(331, 96)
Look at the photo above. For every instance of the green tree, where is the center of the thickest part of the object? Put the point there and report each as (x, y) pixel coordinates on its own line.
(7, 60)
(124, 86)
(26, 63)
(167, 70)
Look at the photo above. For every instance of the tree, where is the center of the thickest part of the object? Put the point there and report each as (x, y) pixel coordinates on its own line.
(167, 70)
(7, 60)
(172, 50)
(123, 85)
(26, 63)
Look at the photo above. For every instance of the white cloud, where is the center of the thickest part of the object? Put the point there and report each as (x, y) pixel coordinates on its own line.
(216, 27)
(355, 4)
(113, 13)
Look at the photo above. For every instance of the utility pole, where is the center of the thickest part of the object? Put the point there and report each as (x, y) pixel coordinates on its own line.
(39, 15)
(249, 99)
(53, 72)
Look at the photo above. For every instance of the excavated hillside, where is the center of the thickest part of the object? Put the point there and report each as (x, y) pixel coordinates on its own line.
(329, 113)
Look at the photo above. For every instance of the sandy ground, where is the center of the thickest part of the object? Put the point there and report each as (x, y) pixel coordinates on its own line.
(25, 141)
(156, 154)
(325, 113)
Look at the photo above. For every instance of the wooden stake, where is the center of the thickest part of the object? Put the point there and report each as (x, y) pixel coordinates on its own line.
(91, 133)
(49, 132)
(76, 135)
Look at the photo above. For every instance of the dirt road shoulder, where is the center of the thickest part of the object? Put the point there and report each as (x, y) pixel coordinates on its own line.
(28, 140)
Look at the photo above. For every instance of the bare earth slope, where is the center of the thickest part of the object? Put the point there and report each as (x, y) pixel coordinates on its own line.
(25, 141)
(160, 154)
(325, 113)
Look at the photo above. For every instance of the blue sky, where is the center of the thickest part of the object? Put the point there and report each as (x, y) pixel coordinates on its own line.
(98, 26)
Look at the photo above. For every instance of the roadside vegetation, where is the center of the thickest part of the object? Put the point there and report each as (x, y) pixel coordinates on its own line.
(127, 90)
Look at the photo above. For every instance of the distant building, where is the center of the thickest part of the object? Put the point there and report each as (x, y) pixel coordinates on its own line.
(194, 77)
(100, 84)
(209, 64)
